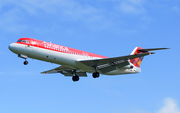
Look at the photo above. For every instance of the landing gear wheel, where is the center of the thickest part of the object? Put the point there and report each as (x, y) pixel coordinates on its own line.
(95, 75)
(75, 78)
(25, 62)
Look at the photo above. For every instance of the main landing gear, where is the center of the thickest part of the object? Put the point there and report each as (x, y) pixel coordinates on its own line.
(95, 74)
(75, 77)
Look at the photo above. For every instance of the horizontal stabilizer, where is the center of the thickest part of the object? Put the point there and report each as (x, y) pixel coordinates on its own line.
(152, 49)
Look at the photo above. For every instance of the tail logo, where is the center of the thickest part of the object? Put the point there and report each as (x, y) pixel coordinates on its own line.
(136, 61)
(139, 63)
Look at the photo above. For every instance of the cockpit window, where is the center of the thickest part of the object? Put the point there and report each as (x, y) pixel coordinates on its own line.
(24, 41)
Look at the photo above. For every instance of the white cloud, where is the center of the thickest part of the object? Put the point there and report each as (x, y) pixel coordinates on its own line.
(128, 8)
(71, 8)
(19, 10)
(136, 2)
(8, 20)
(175, 8)
(170, 106)
(16, 17)
(132, 7)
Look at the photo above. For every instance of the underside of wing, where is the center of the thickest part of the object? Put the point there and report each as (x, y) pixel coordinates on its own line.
(66, 71)
(112, 66)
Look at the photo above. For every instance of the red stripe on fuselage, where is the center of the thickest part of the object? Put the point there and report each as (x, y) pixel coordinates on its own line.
(55, 47)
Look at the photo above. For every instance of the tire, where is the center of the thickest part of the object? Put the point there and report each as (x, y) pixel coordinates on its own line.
(95, 74)
(75, 78)
(25, 62)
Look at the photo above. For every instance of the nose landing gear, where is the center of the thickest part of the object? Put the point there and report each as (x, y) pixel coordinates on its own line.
(24, 57)
(25, 62)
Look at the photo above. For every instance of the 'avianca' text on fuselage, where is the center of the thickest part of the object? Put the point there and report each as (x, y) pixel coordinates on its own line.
(77, 63)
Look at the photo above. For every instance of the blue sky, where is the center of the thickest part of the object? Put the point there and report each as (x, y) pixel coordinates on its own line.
(107, 27)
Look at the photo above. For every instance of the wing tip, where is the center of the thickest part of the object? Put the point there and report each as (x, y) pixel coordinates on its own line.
(166, 48)
(43, 73)
(151, 53)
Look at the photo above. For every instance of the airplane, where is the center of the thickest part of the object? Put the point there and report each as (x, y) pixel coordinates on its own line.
(76, 63)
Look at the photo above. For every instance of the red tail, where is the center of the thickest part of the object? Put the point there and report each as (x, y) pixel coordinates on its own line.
(137, 61)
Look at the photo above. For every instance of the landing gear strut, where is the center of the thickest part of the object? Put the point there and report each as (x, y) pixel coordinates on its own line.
(24, 57)
(95, 74)
(75, 77)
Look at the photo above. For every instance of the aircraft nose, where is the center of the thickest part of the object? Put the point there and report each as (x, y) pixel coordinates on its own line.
(12, 47)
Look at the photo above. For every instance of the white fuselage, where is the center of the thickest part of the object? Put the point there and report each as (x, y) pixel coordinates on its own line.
(61, 58)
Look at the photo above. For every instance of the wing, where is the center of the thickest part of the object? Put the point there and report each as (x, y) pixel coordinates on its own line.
(97, 62)
(66, 71)
(110, 64)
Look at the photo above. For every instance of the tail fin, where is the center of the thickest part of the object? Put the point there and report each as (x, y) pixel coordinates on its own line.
(137, 61)
(138, 50)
